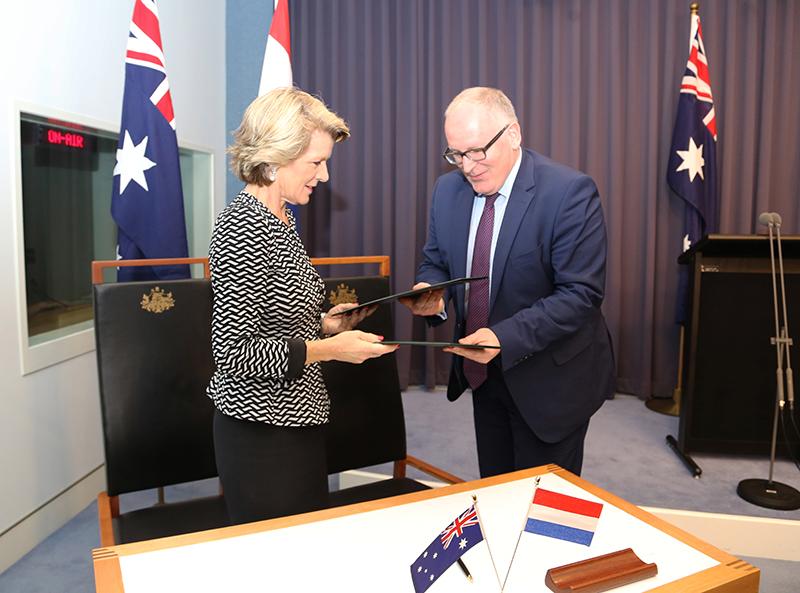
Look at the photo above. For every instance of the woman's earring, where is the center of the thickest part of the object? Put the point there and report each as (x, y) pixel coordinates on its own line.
(273, 173)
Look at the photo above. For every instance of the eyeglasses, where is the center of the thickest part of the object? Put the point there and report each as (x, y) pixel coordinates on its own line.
(456, 157)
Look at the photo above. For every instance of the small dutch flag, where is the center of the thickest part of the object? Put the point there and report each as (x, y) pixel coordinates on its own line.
(563, 517)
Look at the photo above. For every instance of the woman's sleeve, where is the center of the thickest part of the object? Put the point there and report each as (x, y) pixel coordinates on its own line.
(239, 274)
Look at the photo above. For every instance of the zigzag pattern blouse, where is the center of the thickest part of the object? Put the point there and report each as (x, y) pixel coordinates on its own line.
(267, 303)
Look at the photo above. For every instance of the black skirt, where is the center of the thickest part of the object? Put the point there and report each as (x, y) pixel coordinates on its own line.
(270, 471)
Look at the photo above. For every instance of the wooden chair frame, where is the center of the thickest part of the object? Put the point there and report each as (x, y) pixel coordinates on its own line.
(108, 506)
(100, 265)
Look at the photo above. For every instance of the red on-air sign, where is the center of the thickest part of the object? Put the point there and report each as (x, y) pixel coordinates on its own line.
(70, 139)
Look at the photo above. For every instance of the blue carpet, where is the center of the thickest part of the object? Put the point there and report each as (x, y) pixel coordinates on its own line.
(626, 454)
(61, 563)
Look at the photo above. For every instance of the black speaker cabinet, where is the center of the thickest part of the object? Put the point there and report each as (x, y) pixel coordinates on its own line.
(729, 362)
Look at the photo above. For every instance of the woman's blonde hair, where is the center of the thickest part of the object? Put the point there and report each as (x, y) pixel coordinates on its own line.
(276, 129)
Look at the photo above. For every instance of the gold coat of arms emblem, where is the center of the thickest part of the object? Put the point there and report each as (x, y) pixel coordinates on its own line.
(157, 301)
(343, 294)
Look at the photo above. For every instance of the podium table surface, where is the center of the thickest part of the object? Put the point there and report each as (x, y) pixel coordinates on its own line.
(371, 546)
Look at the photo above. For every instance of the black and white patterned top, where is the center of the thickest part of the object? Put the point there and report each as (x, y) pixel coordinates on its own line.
(267, 303)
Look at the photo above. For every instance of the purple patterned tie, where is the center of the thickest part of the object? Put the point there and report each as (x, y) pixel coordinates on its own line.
(478, 313)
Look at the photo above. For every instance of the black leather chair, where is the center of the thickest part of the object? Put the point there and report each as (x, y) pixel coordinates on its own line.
(367, 424)
(154, 362)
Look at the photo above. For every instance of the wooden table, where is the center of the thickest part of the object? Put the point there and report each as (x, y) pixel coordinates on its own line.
(370, 546)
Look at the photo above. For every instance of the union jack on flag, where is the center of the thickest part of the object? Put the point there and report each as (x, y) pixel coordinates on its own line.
(147, 199)
(145, 49)
(696, 80)
(692, 167)
(456, 528)
(440, 555)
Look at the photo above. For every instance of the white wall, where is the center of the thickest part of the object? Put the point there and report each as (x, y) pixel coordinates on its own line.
(69, 55)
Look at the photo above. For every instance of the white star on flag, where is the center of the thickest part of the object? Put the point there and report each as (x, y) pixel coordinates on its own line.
(692, 160)
(132, 163)
(462, 544)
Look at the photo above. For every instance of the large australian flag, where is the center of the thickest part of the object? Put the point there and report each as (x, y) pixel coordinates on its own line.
(692, 169)
(147, 203)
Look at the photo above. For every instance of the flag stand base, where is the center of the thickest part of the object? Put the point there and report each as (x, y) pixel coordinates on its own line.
(671, 407)
(663, 405)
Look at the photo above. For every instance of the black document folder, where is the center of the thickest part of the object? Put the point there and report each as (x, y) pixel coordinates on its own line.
(438, 344)
(412, 293)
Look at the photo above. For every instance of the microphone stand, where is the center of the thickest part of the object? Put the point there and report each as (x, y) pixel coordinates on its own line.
(768, 493)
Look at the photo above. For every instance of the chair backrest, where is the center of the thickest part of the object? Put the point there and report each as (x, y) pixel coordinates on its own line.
(154, 362)
(367, 426)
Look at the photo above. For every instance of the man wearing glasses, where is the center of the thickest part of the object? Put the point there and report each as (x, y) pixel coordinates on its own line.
(536, 229)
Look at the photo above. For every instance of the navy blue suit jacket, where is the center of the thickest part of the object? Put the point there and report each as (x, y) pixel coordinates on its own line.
(548, 281)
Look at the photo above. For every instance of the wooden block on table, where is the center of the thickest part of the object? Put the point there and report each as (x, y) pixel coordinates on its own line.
(600, 573)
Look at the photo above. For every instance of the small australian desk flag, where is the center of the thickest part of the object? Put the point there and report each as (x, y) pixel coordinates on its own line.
(452, 543)
(692, 168)
(147, 200)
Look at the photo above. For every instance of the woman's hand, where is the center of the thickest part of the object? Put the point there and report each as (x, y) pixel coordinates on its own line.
(334, 324)
(349, 346)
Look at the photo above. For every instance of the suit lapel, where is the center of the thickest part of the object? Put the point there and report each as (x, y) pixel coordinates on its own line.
(522, 194)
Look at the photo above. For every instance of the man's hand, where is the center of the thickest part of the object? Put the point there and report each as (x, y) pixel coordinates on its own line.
(483, 336)
(427, 303)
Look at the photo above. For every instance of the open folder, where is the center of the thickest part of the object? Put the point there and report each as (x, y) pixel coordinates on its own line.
(412, 293)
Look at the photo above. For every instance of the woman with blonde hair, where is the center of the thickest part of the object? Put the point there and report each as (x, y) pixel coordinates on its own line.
(271, 402)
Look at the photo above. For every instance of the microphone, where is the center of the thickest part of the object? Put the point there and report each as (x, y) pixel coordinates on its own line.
(767, 493)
